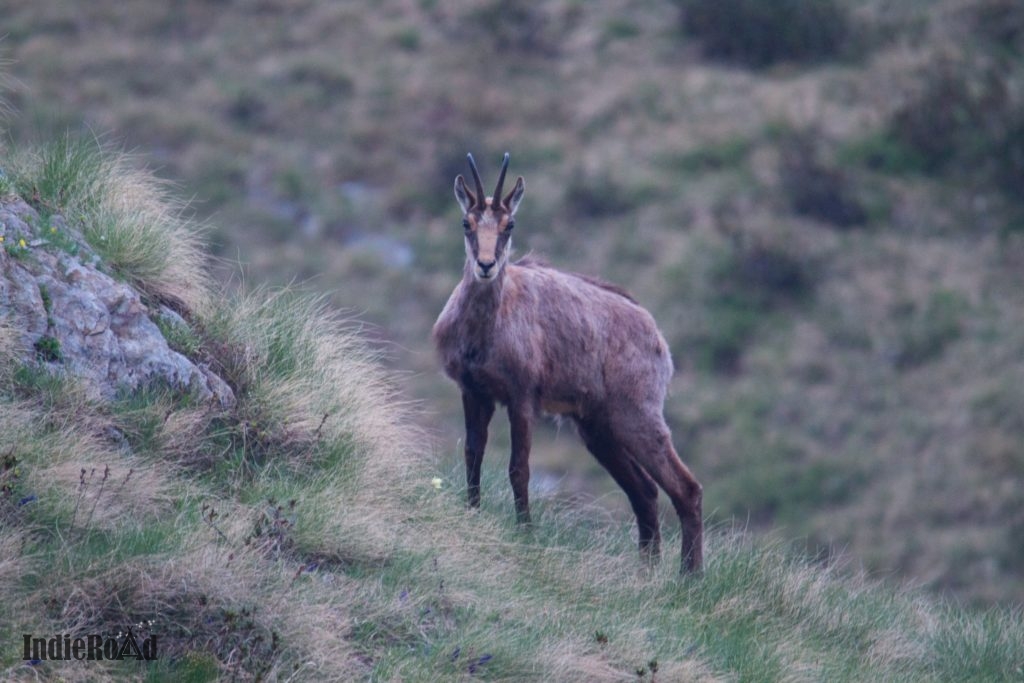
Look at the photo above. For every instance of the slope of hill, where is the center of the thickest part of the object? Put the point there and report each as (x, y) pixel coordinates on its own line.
(303, 532)
(827, 231)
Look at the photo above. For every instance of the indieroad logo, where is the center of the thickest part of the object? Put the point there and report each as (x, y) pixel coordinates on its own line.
(88, 647)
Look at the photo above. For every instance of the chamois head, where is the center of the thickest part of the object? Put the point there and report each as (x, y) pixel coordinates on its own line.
(488, 221)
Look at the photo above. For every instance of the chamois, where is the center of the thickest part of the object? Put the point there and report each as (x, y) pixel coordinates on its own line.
(539, 340)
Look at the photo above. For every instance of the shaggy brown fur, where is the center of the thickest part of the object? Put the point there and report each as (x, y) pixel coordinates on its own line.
(539, 340)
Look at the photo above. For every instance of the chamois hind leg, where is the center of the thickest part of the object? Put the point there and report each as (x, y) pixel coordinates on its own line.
(637, 484)
(646, 437)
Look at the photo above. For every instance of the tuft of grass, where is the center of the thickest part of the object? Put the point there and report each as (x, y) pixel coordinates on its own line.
(35, 383)
(300, 369)
(179, 336)
(63, 175)
(127, 215)
(48, 349)
(7, 187)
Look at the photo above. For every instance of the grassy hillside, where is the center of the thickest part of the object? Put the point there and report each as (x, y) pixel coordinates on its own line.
(308, 532)
(825, 222)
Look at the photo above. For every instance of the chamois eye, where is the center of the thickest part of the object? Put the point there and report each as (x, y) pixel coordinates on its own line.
(511, 224)
(465, 224)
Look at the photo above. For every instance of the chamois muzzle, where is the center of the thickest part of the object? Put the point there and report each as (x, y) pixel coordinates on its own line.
(485, 268)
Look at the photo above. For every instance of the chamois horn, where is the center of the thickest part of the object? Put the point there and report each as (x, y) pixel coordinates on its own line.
(476, 179)
(501, 179)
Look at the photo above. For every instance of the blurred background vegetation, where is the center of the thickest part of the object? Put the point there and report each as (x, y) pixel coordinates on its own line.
(821, 201)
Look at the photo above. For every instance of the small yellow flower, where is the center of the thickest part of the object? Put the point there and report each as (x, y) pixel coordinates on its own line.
(53, 229)
(436, 482)
(1, 238)
(21, 243)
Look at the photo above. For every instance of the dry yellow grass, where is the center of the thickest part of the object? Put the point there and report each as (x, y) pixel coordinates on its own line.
(167, 257)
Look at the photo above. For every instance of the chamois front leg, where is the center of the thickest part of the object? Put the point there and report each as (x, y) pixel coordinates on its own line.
(521, 421)
(478, 410)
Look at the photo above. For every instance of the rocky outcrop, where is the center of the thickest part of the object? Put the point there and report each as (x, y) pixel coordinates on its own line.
(72, 317)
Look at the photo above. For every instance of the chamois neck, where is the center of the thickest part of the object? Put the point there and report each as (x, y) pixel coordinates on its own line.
(478, 308)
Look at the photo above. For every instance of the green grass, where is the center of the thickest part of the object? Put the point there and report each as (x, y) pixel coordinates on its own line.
(883, 152)
(179, 336)
(66, 175)
(716, 156)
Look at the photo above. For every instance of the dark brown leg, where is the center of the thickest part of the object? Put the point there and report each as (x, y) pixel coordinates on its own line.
(478, 411)
(521, 420)
(637, 484)
(688, 506)
(648, 441)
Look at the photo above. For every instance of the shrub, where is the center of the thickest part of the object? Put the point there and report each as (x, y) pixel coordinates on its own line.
(746, 283)
(599, 195)
(966, 114)
(762, 274)
(964, 118)
(815, 190)
(998, 22)
(757, 33)
(730, 325)
(1009, 161)
(950, 113)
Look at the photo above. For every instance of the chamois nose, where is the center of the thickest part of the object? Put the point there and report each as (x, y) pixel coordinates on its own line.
(485, 266)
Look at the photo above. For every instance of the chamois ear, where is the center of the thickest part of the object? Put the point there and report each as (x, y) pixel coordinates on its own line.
(463, 195)
(513, 198)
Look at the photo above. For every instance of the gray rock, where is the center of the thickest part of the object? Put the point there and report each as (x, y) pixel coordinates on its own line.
(102, 327)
